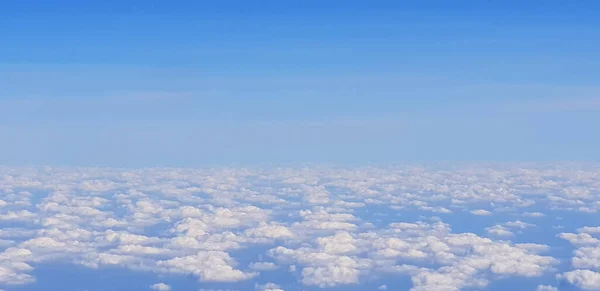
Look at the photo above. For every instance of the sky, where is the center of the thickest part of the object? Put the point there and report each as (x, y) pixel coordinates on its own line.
(299, 145)
(195, 83)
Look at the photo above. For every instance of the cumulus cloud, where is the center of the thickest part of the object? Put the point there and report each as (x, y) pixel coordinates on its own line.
(519, 224)
(590, 229)
(499, 230)
(263, 266)
(211, 266)
(481, 212)
(160, 287)
(534, 214)
(580, 238)
(584, 279)
(268, 287)
(329, 226)
(546, 288)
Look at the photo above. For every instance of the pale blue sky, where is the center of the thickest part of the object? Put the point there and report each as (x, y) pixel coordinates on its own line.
(149, 83)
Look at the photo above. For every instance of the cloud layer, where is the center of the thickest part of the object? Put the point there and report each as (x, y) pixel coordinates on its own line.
(327, 226)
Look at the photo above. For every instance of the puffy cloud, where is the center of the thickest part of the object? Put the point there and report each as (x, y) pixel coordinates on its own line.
(263, 266)
(482, 212)
(579, 238)
(330, 223)
(590, 229)
(499, 230)
(160, 287)
(330, 275)
(546, 288)
(215, 266)
(271, 231)
(12, 276)
(269, 287)
(97, 260)
(121, 237)
(22, 215)
(342, 258)
(326, 225)
(587, 257)
(534, 214)
(340, 243)
(519, 224)
(584, 279)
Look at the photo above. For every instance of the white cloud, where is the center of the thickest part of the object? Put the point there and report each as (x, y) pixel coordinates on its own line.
(590, 229)
(269, 287)
(534, 214)
(579, 238)
(482, 212)
(263, 266)
(340, 243)
(546, 288)
(270, 231)
(22, 215)
(161, 287)
(584, 279)
(330, 275)
(499, 230)
(587, 257)
(519, 224)
(211, 266)
(331, 225)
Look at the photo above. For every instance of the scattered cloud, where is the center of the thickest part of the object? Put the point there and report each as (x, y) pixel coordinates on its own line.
(329, 226)
(546, 288)
(584, 279)
(161, 287)
(263, 266)
(481, 212)
(268, 287)
(499, 230)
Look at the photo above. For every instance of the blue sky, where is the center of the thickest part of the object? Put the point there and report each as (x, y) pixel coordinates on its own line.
(192, 83)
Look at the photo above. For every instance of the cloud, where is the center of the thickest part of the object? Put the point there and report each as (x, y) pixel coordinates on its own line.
(482, 212)
(584, 279)
(580, 238)
(519, 224)
(534, 214)
(263, 266)
(209, 266)
(268, 287)
(270, 231)
(22, 215)
(330, 226)
(590, 229)
(330, 275)
(499, 230)
(546, 288)
(351, 257)
(160, 287)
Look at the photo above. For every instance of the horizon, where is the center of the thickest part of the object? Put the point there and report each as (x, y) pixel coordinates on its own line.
(299, 145)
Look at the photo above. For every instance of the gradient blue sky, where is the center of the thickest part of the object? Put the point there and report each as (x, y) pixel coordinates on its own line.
(193, 83)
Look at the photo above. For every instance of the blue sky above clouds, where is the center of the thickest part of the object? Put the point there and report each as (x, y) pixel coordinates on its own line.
(193, 83)
(299, 145)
